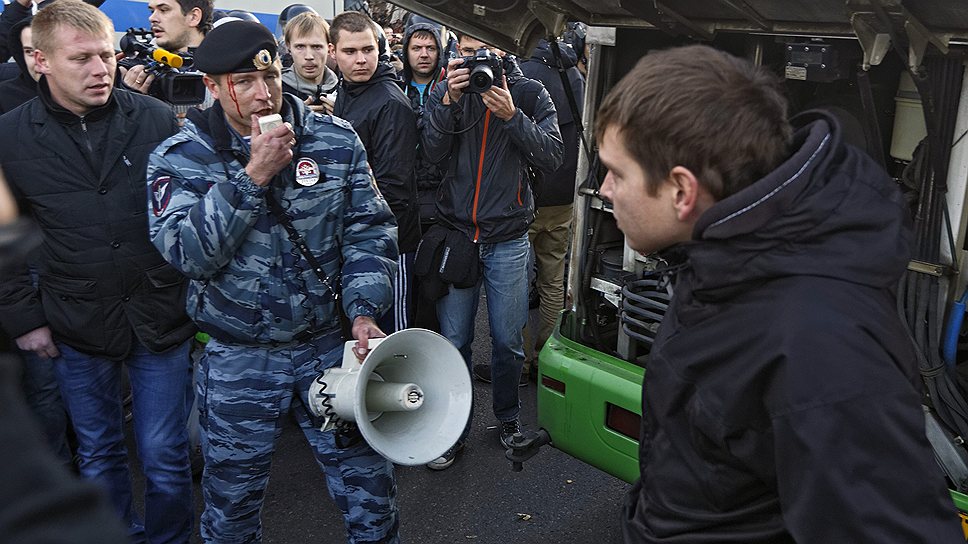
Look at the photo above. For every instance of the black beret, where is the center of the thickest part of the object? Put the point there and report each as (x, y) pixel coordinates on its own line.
(236, 46)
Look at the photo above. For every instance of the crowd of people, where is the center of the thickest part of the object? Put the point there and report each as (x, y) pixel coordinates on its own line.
(161, 220)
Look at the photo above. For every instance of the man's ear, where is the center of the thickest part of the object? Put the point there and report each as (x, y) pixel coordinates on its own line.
(195, 17)
(212, 86)
(40, 62)
(691, 199)
(332, 49)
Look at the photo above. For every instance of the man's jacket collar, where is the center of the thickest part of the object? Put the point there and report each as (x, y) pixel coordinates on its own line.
(67, 117)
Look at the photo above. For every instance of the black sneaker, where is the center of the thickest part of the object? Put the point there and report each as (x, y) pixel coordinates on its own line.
(508, 429)
(482, 373)
(447, 458)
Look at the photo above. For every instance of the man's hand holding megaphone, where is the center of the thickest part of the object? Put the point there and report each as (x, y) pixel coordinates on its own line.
(363, 329)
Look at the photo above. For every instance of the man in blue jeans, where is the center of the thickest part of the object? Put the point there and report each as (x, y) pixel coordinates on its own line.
(487, 141)
(105, 299)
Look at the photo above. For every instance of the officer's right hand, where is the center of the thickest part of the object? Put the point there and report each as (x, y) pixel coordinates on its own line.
(39, 341)
(271, 152)
(457, 80)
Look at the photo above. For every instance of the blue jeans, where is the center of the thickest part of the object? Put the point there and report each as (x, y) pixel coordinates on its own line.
(44, 399)
(505, 280)
(91, 387)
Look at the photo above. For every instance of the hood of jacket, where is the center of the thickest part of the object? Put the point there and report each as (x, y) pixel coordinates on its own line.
(435, 31)
(384, 72)
(292, 79)
(829, 210)
(543, 53)
(17, 47)
(512, 70)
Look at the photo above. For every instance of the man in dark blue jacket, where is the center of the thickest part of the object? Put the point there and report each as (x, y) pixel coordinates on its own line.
(423, 70)
(781, 399)
(371, 100)
(550, 233)
(488, 141)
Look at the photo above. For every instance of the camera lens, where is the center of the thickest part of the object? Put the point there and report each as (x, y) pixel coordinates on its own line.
(481, 79)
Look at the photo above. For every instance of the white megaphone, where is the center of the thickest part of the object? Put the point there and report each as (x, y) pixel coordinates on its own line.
(410, 398)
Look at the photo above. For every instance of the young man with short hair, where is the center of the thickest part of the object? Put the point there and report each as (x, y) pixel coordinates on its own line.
(14, 92)
(105, 300)
(782, 398)
(307, 39)
(371, 100)
(178, 26)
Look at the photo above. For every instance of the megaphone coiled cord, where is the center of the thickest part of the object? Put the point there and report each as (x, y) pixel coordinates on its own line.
(346, 433)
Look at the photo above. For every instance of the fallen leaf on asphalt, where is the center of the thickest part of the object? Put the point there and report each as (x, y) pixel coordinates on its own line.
(524, 517)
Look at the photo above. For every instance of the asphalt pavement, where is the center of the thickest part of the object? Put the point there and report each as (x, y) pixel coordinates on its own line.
(478, 500)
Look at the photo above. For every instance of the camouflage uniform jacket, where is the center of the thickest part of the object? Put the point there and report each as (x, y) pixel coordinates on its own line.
(249, 284)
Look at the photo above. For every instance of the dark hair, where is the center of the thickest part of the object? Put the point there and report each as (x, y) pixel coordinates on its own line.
(424, 34)
(715, 114)
(206, 6)
(352, 21)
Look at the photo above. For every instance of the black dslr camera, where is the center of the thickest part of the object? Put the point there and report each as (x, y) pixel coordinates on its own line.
(486, 70)
(174, 82)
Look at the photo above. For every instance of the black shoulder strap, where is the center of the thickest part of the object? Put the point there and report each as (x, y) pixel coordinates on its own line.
(553, 43)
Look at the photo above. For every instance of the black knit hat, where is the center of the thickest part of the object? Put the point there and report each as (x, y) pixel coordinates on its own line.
(236, 46)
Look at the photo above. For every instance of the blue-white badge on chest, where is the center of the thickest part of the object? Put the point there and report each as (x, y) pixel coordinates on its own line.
(307, 172)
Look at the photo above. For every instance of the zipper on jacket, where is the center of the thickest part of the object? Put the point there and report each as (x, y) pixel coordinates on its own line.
(87, 136)
(480, 173)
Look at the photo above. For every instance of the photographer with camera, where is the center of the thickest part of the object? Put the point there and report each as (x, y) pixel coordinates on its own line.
(487, 129)
(178, 27)
(307, 37)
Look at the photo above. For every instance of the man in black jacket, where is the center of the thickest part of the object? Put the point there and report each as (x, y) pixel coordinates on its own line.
(13, 13)
(16, 91)
(371, 100)
(487, 142)
(76, 159)
(422, 71)
(551, 231)
(781, 399)
(42, 501)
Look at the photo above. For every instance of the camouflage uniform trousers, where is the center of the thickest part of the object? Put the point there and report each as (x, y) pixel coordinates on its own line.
(244, 393)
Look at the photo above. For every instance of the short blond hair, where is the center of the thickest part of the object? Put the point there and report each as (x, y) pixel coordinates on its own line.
(306, 23)
(68, 13)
